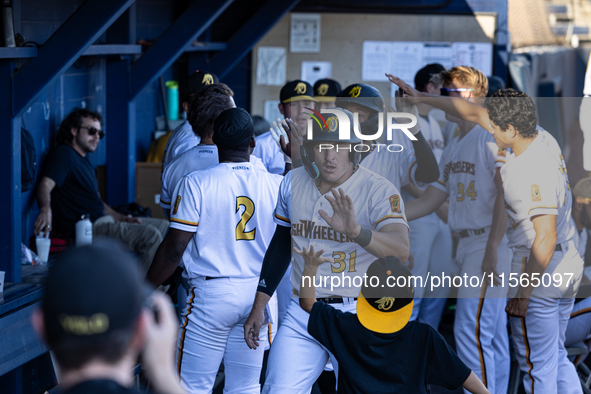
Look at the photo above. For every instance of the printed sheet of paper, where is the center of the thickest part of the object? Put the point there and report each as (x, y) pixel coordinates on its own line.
(376, 61)
(271, 111)
(476, 54)
(304, 33)
(271, 66)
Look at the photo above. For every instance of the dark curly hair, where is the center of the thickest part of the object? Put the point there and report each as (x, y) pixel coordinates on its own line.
(512, 107)
(74, 119)
(206, 105)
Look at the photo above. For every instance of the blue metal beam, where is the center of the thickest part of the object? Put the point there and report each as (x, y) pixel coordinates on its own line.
(64, 47)
(121, 133)
(249, 34)
(10, 180)
(190, 25)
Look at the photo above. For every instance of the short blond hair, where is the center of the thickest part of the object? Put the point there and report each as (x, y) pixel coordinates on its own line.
(469, 77)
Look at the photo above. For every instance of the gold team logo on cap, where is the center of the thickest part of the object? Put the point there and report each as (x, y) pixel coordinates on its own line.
(323, 89)
(176, 205)
(300, 88)
(332, 123)
(82, 325)
(535, 193)
(395, 203)
(355, 91)
(207, 79)
(385, 303)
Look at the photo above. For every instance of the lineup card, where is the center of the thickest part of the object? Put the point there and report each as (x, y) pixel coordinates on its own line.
(405, 58)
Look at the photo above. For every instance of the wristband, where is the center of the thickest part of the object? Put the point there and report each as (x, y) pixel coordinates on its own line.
(364, 237)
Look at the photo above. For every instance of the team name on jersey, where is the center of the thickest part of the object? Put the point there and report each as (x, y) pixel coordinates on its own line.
(240, 168)
(205, 151)
(436, 144)
(309, 229)
(457, 167)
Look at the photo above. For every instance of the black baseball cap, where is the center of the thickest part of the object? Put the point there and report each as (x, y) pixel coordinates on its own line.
(423, 76)
(93, 290)
(385, 304)
(326, 90)
(233, 128)
(195, 82)
(296, 91)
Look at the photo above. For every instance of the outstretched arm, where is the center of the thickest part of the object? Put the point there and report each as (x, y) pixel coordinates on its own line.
(474, 385)
(390, 240)
(431, 199)
(457, 107)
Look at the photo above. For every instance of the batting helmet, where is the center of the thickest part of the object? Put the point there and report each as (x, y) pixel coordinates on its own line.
(326, 129)
(366, 96)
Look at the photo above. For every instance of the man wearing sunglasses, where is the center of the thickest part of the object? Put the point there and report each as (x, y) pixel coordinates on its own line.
(68, 189)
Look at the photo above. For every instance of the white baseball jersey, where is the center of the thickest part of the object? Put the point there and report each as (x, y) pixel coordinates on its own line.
(432, 132)
(536, 183)
(181, 140)
(467, 170)
(377, 202)
(270, 153)
(197, 158)
(228, 207)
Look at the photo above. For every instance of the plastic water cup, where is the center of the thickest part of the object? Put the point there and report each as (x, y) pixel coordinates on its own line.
(2, 273)
(43, 245)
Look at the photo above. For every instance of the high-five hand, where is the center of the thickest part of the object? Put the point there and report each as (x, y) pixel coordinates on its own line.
(343, 219)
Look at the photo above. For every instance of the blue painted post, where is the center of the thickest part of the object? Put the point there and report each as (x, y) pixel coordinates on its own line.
(10, 179)
(121, 131)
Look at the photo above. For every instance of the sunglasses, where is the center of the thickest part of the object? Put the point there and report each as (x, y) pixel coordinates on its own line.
(445, 91)
(93, 131)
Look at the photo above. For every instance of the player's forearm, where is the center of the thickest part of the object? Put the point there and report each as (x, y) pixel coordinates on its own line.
(307, 288)
(167, 258)
(276, 261)
(460, 108)
(426, 204)
(474, 385)
(540, 256)
(390, 243)
(427, 168)
(499, 223)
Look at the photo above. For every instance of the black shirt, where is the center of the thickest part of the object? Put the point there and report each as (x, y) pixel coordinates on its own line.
(369, 362)
(99, 387)
(76, 190)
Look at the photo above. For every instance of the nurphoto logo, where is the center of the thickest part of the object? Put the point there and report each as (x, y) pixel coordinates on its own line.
(339, 120)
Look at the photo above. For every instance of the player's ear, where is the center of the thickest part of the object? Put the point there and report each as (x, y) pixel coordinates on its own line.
(512, 131)
(252, 143)
(280, 106)
(186, 106)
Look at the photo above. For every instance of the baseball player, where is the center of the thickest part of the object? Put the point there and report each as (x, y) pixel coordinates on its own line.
(228, 239)
(470, 176)
(578, 329)
(183, 138)
(326, 91)
(294, 96)
(362, 219)
(538, 202)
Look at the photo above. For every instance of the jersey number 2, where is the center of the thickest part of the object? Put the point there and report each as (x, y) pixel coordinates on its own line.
(246, 215)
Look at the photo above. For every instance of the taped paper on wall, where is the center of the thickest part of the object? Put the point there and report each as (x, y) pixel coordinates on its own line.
(271, 66)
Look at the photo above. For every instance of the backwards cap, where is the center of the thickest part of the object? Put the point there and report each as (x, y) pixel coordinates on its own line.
(386, 306)
(93, 290)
